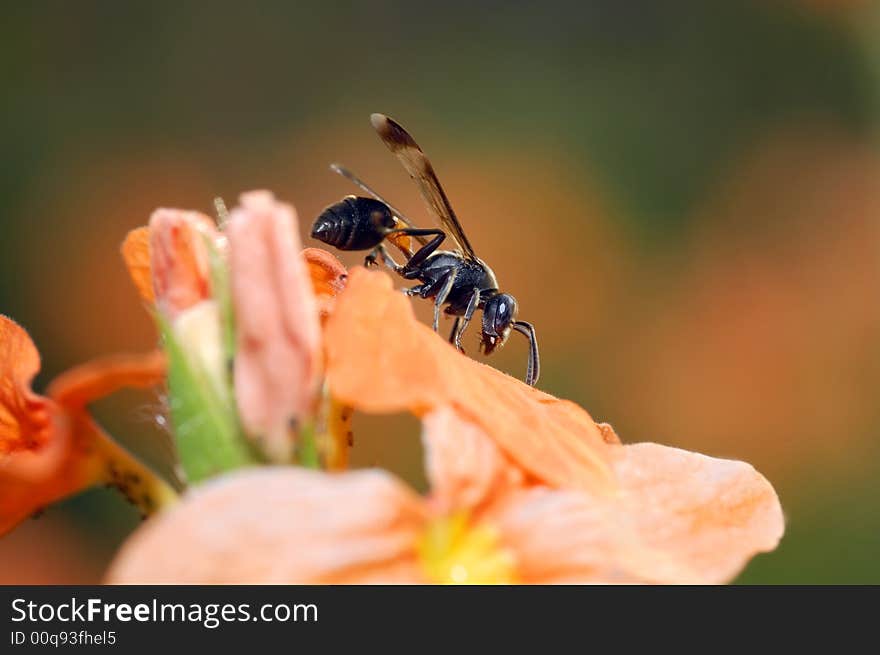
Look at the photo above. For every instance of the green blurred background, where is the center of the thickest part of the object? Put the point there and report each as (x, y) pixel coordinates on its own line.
(683, 196)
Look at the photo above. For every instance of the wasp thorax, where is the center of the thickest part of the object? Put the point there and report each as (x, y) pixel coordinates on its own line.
(354, 223)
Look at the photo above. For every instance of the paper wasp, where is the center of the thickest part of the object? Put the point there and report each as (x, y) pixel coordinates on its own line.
(455, 278)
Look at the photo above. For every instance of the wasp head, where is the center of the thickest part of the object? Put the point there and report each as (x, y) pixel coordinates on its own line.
(499, 315)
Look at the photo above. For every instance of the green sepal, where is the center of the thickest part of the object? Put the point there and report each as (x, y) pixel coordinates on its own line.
(206, 427)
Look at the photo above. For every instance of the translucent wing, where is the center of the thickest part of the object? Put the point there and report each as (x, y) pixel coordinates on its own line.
(419, 168)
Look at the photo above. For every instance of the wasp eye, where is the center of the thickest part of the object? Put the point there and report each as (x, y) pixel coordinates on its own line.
(505, 313)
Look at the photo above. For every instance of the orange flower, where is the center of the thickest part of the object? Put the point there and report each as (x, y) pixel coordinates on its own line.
(50, 447)
(675, 517)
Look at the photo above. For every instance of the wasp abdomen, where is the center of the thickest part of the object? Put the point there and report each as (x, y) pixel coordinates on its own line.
(354, 223)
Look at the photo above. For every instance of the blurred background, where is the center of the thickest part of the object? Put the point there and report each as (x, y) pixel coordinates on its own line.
(684, 197)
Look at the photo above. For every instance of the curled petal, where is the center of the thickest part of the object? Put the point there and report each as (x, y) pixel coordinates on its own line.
(40, 460)
(328, 277)
(381, 359)
(136, 254)
(608, 434)
(465, 467)
(25, 417)
(678, 517)
(277, 363)
(180, 258)
(280, 525)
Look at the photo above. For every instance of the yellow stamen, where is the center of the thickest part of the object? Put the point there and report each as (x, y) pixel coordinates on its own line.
(454, 550)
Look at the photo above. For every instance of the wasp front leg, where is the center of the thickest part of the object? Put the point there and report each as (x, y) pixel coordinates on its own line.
(454, 337)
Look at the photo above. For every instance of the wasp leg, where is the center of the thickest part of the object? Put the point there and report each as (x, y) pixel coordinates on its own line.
(414, 291)
(442, 295)
(472, 305)
(453, 336)
(381, 251)
(413, 266)
(533, 371)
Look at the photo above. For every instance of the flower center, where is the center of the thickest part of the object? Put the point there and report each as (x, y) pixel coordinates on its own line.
(454, 550)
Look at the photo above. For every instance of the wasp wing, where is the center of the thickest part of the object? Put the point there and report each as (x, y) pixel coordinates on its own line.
(419, 168)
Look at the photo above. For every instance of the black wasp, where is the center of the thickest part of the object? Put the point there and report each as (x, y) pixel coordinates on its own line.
(455, 278)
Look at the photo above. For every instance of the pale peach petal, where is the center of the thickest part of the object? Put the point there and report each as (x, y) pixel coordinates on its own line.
(280, 525)
(381, 359)
(277, 363)
(706, 516)
(559, 535)
(179, 258)
(678, 517)
(465, 467)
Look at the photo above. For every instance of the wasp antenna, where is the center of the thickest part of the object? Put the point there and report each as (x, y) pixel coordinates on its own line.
(222, 212)
(533, 371)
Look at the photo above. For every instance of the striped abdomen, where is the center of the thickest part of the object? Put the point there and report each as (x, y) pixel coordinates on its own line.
(354, 223)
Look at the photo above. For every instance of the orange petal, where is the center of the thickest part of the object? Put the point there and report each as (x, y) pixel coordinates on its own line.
(40, 461)
(277, 362)
(77, 387)
(280, 525)
(136, 253)
(179, 258)
(381, 359)
(328, 277)
(29, 481)
(678, 517)
(25, 423)
(465, 468)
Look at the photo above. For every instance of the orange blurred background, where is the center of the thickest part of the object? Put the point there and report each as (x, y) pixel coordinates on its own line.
(684, 199)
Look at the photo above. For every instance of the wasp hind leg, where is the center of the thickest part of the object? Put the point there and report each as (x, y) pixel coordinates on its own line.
(413, 266)
(380, 252)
